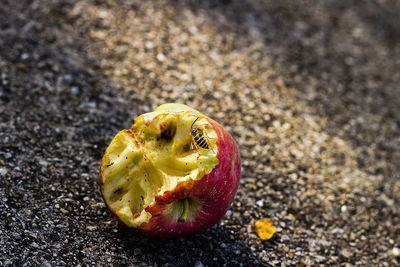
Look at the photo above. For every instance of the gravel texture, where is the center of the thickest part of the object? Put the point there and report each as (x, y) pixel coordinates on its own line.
(309, 89)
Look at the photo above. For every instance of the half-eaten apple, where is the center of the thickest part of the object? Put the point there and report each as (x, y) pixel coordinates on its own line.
(175, 172)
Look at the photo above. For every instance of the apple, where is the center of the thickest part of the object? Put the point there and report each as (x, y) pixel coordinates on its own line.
(175, 172)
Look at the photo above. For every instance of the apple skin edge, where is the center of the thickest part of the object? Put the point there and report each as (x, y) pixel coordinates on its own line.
(215, 193)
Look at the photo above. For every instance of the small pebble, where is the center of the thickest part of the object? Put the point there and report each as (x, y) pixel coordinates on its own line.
(137, 251)
(3, 171)
(74, 90)
(346, 253)
(396, 252)
(91, 227)
(160, 57)
(43, 163)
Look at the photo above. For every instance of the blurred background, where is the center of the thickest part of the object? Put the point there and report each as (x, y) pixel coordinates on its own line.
(309, 90)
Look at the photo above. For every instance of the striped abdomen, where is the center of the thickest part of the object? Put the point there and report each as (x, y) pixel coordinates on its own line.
(199, 138)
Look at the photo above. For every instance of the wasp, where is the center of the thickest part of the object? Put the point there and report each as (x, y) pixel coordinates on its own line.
(198, 136)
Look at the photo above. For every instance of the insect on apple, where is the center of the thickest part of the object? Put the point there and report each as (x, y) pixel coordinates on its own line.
(175, 172)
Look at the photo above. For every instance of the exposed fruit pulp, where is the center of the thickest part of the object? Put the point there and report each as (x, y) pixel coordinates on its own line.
(153, 157)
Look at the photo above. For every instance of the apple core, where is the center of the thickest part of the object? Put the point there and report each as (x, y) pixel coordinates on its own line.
(153, 157)
(174, 173)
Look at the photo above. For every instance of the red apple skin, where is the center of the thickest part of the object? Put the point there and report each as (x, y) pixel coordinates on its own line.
(215, 192)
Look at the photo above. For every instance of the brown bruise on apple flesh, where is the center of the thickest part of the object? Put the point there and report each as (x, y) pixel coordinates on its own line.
(154, 157)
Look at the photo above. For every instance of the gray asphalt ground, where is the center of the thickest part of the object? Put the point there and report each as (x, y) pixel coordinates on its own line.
(309, 89)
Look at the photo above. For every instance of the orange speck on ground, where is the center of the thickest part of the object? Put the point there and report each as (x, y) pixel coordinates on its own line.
(265, 229)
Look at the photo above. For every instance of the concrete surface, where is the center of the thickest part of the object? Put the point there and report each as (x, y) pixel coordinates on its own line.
(309, 89)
